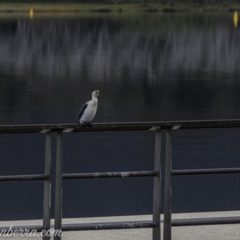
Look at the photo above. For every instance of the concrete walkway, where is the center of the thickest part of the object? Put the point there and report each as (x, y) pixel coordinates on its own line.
(212, 232)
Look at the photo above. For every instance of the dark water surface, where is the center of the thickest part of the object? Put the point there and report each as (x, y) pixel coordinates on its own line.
(148, 67)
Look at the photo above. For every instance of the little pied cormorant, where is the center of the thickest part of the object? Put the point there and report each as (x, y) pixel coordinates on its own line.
(88, 110)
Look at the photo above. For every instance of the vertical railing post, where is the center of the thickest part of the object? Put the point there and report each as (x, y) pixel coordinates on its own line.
(58, 188)
(168, 186)
(47, 186)
(156, 234)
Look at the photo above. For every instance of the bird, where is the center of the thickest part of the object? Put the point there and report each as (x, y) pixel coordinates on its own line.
(88, 110)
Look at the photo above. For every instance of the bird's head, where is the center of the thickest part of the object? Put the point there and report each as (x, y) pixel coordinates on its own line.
(95, 93)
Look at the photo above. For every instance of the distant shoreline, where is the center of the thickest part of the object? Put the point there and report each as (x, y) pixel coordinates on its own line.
(114, 7)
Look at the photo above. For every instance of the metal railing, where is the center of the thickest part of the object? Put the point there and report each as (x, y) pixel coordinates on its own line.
(156, 174)
(168, 222)
(154, 224)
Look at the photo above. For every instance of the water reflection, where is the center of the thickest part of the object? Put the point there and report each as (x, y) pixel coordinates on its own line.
(148, 67)
(106, 45)
(235, 19)
(165, 62)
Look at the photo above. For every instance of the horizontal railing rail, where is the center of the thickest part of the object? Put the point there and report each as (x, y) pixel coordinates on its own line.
(135, 126)
(110, 175)
(205, 221)
(24, 177)
(108, 226)
(205, 171)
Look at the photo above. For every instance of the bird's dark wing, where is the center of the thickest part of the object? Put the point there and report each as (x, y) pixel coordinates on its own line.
(82, 109)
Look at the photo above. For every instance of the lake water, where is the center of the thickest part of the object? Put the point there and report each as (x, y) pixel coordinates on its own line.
(148, 67)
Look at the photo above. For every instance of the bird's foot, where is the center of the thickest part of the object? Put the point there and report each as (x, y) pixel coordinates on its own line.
(85, 124)
(89, 125)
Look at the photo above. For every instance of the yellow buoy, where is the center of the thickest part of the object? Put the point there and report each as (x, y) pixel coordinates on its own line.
(235, 19)
(31, 13)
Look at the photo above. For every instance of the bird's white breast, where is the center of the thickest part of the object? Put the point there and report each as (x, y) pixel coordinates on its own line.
(90, 111)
